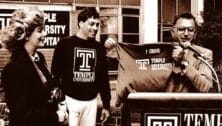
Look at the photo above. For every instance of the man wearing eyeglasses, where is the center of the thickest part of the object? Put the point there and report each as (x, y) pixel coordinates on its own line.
(189, 73)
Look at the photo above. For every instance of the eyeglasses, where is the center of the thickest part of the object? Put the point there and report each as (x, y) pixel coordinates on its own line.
(183, 29)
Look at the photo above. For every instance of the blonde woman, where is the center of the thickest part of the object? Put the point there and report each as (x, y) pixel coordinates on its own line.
(25, 78)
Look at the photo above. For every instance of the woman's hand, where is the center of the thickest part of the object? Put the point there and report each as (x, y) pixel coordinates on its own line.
(62, 111)
(62, 115)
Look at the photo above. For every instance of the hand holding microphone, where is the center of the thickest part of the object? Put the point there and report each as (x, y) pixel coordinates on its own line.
(178, 53)
(187, 45)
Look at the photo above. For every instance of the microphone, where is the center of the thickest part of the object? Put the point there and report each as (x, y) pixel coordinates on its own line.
(187, 45)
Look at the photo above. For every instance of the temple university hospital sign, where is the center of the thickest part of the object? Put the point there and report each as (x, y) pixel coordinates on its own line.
(185, 119)
(57, 25)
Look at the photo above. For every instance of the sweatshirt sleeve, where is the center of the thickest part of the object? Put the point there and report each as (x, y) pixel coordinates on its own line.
(104, 85)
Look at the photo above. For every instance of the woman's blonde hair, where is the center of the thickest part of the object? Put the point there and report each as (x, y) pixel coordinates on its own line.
(21, 25)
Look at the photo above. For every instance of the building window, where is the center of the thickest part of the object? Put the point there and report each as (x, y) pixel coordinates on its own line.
(109, 28)
(109, 2)
(13, 0)
(86, 1)
(217, 4)
(167, 9)
(130, 25)
(61, 1)
(131, 2)
(36, 0)
(109, 23)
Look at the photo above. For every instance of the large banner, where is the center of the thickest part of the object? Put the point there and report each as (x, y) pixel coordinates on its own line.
(144, 67)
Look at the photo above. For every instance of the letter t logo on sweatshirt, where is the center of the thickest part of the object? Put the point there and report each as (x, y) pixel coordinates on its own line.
(84, 65)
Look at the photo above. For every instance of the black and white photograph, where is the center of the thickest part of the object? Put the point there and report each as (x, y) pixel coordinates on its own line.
(110, 62)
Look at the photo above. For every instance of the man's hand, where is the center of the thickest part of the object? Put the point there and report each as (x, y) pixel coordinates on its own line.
(110, 43)
(104, 115)
(178, 53)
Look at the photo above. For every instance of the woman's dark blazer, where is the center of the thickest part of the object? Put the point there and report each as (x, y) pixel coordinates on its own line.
(26, 96)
